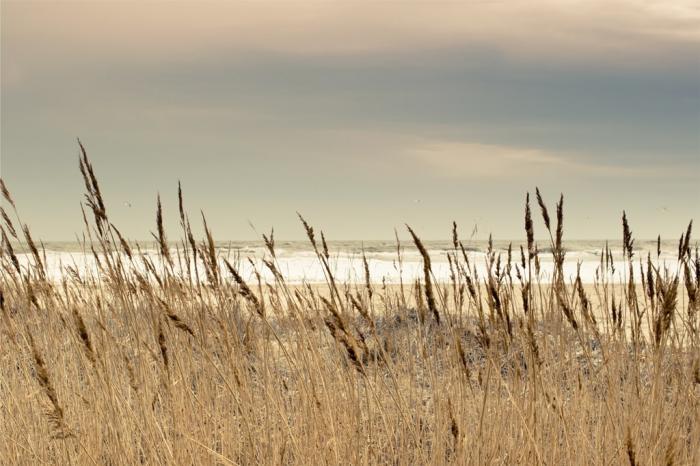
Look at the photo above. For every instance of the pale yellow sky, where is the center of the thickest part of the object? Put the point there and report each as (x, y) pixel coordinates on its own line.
(518, 27)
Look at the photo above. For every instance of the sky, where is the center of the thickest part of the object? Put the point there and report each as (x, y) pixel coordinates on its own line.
(362, 116)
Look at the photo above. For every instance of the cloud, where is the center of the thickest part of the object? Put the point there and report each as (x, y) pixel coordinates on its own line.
(474, 160)
(613, 30)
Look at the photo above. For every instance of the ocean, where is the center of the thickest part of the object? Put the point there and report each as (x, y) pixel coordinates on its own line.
(298, 263)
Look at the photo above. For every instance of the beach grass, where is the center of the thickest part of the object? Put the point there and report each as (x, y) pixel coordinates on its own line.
(182, 360)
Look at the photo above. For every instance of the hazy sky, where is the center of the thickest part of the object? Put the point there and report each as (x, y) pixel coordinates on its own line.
(360, 115)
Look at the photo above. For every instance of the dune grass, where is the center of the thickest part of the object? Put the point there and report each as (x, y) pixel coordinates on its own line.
(181, 360)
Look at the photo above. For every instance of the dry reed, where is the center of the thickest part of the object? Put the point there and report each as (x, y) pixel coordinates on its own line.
(518, 371)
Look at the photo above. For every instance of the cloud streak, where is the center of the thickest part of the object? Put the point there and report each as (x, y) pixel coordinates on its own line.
(615, 31)
(474, 160)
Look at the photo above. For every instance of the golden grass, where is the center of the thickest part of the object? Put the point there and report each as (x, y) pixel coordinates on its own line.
(184, 362)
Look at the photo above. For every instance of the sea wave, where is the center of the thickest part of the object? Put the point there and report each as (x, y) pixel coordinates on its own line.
(298, 262)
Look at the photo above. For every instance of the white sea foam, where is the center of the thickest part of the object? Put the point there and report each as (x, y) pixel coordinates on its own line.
(299, 264)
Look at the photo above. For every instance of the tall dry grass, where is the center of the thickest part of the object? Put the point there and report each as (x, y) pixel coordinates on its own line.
(182, 360)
